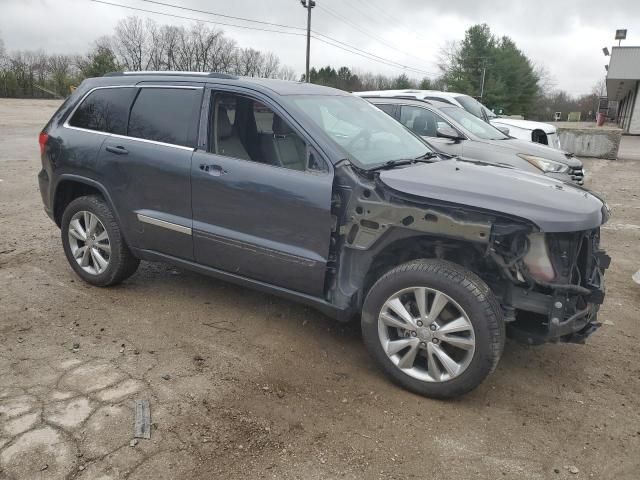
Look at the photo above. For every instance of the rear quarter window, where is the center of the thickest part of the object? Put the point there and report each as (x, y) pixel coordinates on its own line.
(104, 110)
(167, 115)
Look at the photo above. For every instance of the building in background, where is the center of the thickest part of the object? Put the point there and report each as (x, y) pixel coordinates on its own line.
(623, 85)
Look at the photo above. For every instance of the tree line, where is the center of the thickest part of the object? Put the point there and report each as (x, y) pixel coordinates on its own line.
(346, 79)
(134, 45)
(482, 65)
(553, 101)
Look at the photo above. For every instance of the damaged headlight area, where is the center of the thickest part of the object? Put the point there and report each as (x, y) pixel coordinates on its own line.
(544, 164)
(552, 283)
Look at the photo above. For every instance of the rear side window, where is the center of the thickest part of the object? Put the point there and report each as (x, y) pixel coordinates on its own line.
(105, 110)
(168, 115)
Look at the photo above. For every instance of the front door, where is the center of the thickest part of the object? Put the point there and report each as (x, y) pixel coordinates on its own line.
(261, 196)
(147, 169)
(425, 123)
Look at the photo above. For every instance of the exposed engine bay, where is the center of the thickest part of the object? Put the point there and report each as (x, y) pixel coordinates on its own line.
(550, 285)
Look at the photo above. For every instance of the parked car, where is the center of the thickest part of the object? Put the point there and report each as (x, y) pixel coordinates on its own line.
(528, 130)
(455, 131)
(316, 195)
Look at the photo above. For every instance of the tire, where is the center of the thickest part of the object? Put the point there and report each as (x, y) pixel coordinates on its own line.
(474, 342)
(121, 263)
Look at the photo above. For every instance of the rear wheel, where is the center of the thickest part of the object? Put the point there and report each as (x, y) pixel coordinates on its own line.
(434, 327)
(93, 243)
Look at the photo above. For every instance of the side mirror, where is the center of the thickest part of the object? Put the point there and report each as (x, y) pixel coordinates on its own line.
(504, 130)
(448, 132)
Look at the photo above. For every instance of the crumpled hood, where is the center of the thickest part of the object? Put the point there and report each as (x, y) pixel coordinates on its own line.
(516, 146)
(526, 124)
(554, 206)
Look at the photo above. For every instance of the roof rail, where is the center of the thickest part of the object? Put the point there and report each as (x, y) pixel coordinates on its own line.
(171, 73)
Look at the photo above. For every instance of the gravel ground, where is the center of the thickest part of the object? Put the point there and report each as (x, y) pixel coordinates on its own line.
(245, 385)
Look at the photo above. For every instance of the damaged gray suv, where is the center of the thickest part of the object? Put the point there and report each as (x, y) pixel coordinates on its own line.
(313, 194)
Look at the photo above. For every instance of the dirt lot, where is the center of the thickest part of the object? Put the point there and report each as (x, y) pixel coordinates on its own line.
(245, 385)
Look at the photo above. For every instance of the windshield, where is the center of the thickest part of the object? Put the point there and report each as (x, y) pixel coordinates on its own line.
(368, 135)
(473, 124)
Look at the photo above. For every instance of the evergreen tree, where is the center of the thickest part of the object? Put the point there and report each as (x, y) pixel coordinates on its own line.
(510, 81)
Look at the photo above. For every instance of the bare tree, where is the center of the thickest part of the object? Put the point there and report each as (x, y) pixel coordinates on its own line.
(130, 42)
(287, 73)
(600, 88)
(447, 56)
(249, 62)
(136, 45)
(60, 68)
(270, 66)
(546, 82)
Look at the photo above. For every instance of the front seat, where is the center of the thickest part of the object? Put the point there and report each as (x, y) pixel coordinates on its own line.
(425, 125)
(228, 142)
(289, 149)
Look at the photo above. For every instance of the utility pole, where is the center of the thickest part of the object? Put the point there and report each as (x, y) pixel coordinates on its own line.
(308, 4)
(484, 72)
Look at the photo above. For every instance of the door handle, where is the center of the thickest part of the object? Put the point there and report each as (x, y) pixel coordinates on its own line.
(119, 150)
(213, 170)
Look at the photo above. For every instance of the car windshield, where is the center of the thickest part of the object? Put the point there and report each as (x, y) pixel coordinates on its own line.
(474, 125)
(367, 134)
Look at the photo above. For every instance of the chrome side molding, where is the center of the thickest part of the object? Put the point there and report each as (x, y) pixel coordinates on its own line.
(161, 223)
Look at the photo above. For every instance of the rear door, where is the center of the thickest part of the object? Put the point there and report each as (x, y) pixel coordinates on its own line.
(261, 195)
(147, 169)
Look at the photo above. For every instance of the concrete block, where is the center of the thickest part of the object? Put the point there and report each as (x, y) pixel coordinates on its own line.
(591, 142)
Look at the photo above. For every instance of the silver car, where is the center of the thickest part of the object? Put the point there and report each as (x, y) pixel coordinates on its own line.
(455, 131)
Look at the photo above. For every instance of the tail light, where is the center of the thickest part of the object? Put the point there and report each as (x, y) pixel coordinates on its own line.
(42, 140)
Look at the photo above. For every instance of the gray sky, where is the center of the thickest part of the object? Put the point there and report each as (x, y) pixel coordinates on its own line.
(564, 36)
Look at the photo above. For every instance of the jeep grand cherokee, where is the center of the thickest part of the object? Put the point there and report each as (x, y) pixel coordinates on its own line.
(318, 196)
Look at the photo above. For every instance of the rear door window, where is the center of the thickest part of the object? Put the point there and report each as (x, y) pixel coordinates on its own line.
(105, 110)
(167, 115)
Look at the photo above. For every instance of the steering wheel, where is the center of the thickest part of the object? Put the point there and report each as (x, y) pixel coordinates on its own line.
(363, 135)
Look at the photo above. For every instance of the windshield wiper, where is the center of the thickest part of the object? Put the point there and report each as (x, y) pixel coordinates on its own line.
(404, 161)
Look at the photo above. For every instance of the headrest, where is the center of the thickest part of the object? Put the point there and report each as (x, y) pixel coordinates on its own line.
(279, 126)
(420, 123)
(225, 130)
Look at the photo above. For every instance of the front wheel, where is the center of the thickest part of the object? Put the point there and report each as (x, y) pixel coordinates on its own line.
(434, 327)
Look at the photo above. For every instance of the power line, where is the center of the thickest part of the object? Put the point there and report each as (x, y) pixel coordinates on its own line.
(363, 11)
(362, 30)
(386, 13)
(223, 15)
(215, 14)
(327, 40)
(375, 58)
(316, 35)
(197, 19)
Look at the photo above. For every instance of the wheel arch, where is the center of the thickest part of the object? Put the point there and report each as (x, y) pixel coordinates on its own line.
(69, 187)
(361, 268)
(539, 136)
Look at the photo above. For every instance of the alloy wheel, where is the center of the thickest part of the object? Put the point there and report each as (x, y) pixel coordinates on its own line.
(426, 334)
(89, 242)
